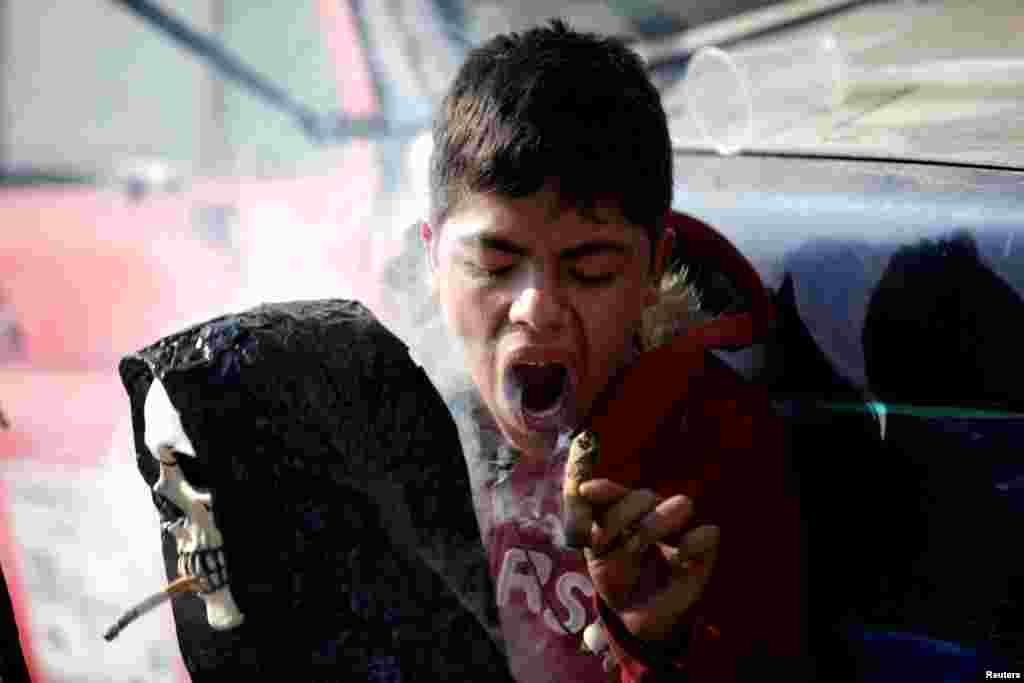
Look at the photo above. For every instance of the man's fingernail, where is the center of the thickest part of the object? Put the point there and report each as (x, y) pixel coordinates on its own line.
(636, 544)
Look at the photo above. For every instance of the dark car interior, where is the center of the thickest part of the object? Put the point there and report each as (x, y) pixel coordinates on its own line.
(910, 485)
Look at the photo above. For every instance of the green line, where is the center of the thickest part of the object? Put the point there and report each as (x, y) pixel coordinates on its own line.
(921, 411)
(15, 180)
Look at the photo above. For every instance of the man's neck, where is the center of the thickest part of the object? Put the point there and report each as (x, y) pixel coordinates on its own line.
(544, 451)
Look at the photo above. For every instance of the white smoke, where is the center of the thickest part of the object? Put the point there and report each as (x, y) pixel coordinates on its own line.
(443, 358)
(527, 509)
(88, 539)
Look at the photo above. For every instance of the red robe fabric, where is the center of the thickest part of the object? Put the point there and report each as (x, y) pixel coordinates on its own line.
(680, 420)
(725, 450)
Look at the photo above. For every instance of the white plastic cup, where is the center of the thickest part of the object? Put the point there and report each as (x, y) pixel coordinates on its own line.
(739, 97)
(750, 94)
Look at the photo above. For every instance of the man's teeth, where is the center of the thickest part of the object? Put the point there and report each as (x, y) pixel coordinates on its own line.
(169, 527)
(209, 564)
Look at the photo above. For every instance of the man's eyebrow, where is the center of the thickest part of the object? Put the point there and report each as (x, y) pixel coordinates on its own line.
(570, 254)
(595, 247)
(492, 242)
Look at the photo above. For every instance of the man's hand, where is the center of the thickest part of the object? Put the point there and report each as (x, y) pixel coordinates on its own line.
(627, 537)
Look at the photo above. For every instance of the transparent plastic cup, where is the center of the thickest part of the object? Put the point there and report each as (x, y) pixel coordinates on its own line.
(736, 98)
(751, 94)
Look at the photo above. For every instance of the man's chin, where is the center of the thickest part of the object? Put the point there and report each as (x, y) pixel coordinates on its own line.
(537, 443)
(538, 446)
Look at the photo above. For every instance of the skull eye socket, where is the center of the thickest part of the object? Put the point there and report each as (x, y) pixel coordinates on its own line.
(177, 455)
(192, 469)
(169, 512)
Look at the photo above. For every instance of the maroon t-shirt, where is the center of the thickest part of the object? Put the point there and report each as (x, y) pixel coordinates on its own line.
(545, 596)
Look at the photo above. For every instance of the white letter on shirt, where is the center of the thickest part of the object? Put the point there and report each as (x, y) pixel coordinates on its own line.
(511, 578)
(577, 611)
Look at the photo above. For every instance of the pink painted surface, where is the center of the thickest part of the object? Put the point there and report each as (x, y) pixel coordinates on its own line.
(89, 276)
(355, 82)
(11, 563)
(60, 416)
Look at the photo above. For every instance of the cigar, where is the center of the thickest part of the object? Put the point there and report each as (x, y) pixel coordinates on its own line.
(180, 585)
(583, 455)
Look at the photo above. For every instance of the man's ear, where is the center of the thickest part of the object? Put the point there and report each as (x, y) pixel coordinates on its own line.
(662, 254)
(429, 242)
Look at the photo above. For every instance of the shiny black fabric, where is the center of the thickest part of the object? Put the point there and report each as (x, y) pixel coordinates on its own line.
(12, 662)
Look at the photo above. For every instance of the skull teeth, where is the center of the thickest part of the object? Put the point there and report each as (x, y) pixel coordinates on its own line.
(169, 527)
(208, 564)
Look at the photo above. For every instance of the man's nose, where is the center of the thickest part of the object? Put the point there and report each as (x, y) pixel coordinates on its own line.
(540, 304)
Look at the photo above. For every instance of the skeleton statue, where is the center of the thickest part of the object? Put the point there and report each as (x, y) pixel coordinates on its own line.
(313, 493)
(200, 544)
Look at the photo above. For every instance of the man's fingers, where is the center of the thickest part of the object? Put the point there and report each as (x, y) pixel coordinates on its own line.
(692, 565)
(696, 552)
(637, 517)
(602, 492)
(702, 540)
(669, 518)
(623, 515)
(655, 618)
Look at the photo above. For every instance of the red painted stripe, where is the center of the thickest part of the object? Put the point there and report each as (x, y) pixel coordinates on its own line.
(355, 81)
(60, 416)
(89, 276)
(9, 558)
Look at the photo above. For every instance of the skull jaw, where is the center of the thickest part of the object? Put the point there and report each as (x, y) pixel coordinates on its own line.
(221, 611)
(196, 534)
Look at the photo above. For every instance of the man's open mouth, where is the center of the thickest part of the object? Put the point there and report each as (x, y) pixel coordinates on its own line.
(540, 393)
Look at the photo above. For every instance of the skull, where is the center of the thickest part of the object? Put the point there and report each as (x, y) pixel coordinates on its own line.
(199, 541)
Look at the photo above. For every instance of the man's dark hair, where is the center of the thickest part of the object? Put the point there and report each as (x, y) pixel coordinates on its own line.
(556, 108)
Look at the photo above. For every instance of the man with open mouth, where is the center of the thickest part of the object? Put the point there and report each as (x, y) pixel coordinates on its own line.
(551, 180)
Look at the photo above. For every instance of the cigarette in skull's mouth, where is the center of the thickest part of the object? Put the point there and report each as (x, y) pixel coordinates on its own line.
(183, 584)
(583, 455)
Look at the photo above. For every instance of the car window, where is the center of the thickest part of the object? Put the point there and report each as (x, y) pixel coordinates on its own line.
(634, 19)
(899, 291)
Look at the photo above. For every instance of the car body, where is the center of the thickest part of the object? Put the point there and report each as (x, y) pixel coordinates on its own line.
(890, 231)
